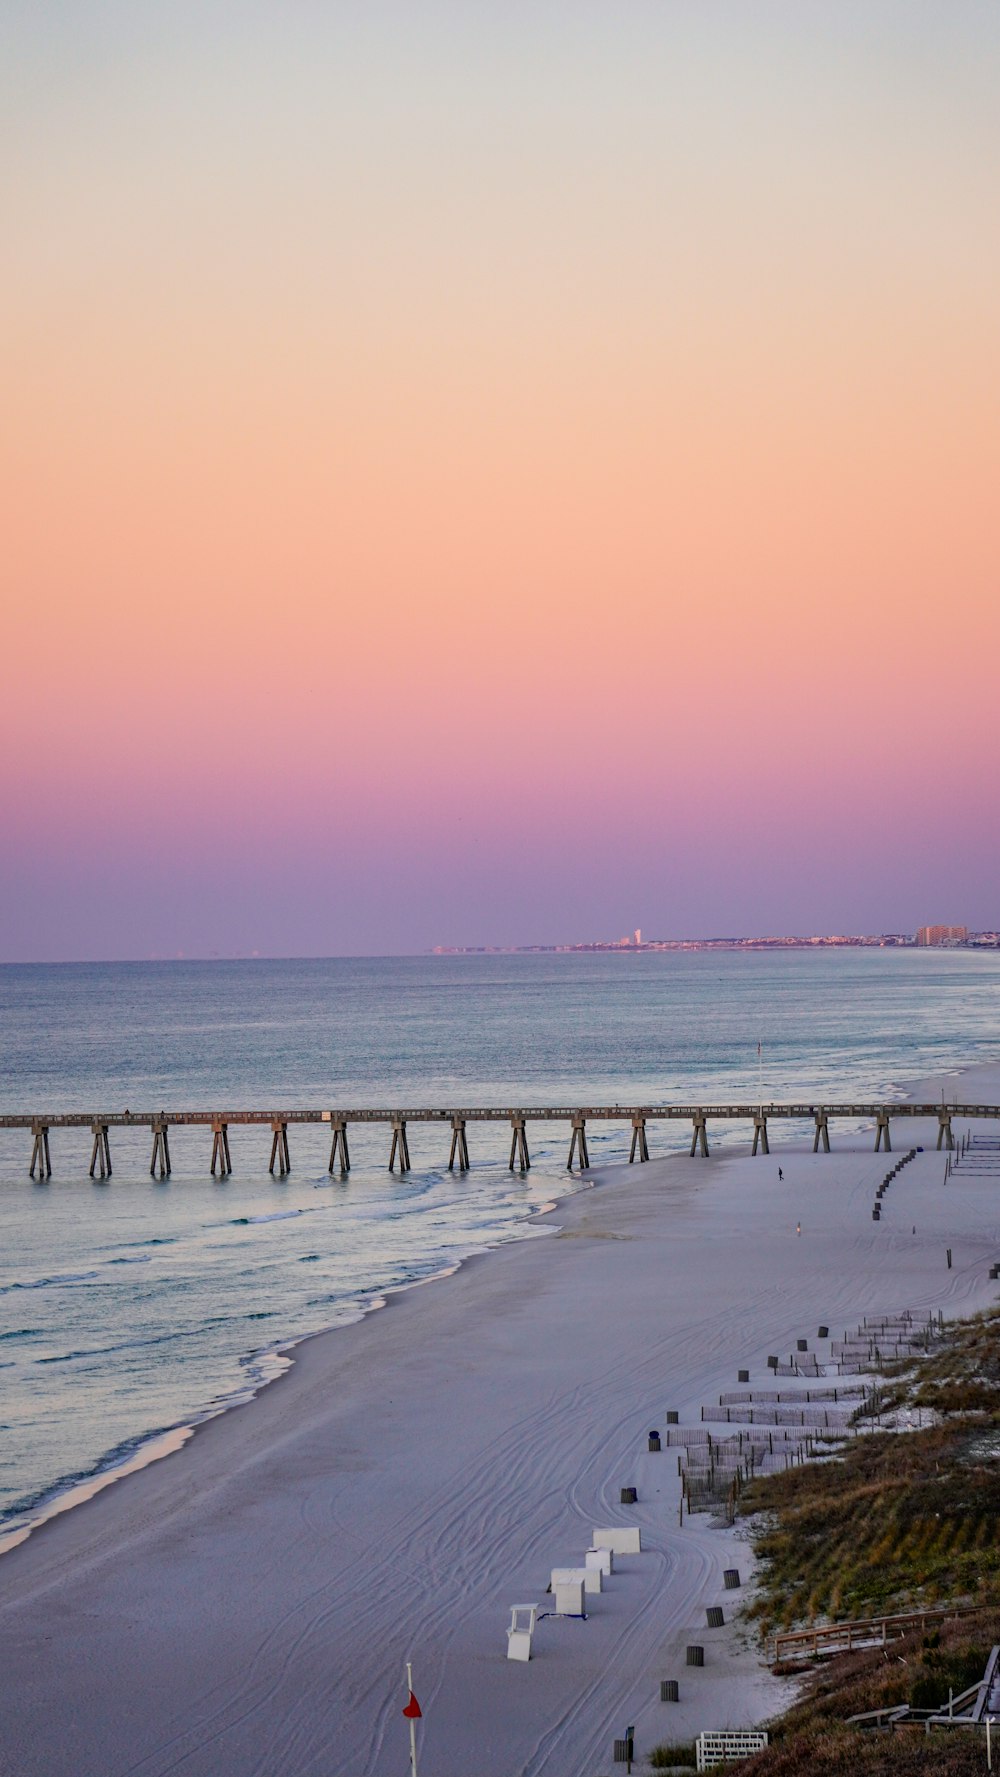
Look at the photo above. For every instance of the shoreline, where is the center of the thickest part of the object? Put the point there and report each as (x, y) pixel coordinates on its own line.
(155, 1446)
(418, 1473)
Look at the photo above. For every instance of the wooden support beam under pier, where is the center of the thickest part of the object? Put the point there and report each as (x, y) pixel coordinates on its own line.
(638, 1140)
(699, 1135)
(40, 1155)
(339, 1145)
(279, 1148)
(400, 1146)
(159, 1165)
(822, 1133)
(760, 1134)
(100, 1159)
(459, 1146)
(519, 1144)
(882, 1132)
(220, 1148)
(578, 1144)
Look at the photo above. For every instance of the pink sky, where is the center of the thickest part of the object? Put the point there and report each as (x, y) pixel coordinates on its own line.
(498, 474)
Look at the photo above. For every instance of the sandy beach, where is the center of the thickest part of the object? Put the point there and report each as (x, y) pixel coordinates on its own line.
(246, 1606)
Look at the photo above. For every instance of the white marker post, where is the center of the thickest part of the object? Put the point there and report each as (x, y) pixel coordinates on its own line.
(412, 1710)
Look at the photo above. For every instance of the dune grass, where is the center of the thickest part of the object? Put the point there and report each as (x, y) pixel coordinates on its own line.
(897, 1521)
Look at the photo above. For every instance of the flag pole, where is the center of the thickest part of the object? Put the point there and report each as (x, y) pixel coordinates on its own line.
(413, 1723)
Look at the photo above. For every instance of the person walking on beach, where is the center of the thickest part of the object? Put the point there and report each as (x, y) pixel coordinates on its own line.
(780, 1175)
(798, 1227)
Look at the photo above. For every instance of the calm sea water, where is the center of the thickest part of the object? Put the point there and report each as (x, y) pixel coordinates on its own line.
(134, 1306)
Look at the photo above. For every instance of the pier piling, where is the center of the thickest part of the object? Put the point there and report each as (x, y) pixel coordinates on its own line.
(339, 1145)
(638, 1140)
(519, 1158)
(40, 1156)
(882, 1132)
(279, 1148)
(822, 1135)
(400, 1146)
(220, 1148)
(459, 1146)
(578, 1143)
(945, 1137)
(760, 1134)
(159, 1165)
(699, 1135)
(100, 1159)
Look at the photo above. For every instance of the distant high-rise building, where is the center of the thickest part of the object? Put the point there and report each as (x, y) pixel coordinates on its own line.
(929, 935)
(637, 934)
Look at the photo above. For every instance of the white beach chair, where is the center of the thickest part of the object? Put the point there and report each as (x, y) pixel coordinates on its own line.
(522, 1628)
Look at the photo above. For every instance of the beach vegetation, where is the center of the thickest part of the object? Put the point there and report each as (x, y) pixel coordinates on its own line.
(900, 1519)
(919, 1670)
(674, 1756)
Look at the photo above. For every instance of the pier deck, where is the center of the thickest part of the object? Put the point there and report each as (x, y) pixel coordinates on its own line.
(458, 1117)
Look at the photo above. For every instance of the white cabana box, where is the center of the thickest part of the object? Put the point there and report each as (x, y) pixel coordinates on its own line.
(569, 1598)
(621, 1541)
(600, 1558)
(522, 1628)
(590, 1578)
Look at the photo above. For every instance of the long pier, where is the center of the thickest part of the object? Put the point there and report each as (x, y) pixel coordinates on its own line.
(458, 1118)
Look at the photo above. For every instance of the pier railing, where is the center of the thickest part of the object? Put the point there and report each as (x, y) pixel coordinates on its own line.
(458, 1117)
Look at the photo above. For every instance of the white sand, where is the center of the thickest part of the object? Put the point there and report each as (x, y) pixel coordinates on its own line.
(246, 1606)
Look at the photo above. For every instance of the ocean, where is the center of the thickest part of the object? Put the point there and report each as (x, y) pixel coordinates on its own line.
(131, 1307)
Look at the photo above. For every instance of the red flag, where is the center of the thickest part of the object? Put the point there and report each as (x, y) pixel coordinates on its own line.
(413, 1709)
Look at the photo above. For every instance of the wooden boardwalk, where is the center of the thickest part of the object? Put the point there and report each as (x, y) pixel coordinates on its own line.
(457, 1118)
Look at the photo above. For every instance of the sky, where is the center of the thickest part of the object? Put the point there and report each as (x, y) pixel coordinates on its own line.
(500, 471)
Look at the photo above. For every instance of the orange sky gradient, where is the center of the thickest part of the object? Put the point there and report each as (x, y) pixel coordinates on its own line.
(497, 474)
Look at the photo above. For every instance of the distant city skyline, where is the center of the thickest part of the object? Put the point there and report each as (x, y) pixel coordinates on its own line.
(469, 470)
(927, 937)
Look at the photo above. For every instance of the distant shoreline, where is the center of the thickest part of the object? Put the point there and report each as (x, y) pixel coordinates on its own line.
(628, 947)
